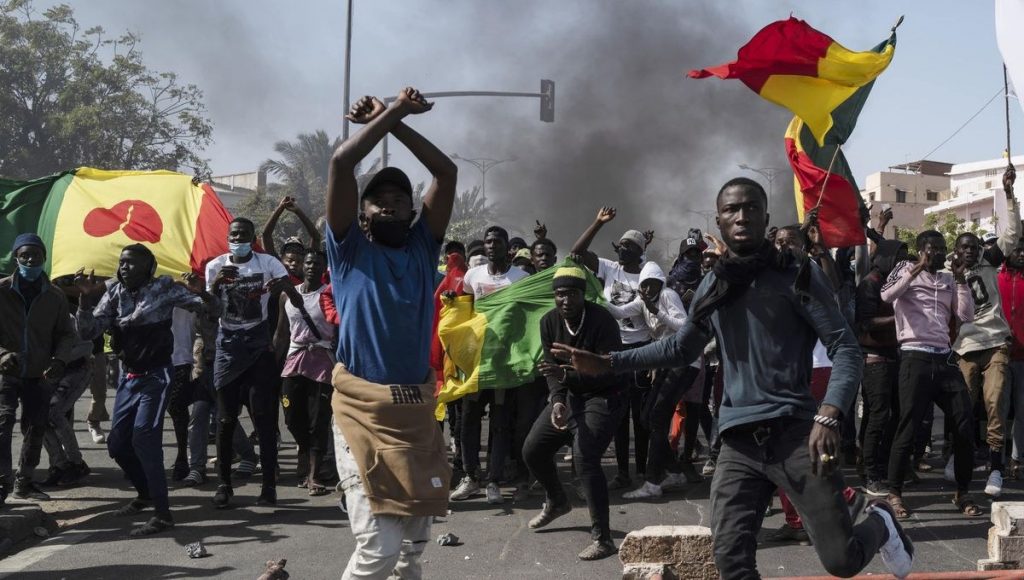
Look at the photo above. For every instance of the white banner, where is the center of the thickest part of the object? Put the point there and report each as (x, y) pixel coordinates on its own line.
(1010, 37)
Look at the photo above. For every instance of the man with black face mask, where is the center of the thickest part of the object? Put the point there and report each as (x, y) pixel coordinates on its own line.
(621, 285)
(982, 343)
(382, 272)
(36, 338)
(686, 272)
(137, 310)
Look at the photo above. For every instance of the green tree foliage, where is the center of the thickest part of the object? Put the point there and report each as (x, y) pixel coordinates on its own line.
(72, 97)
(470, 216)
(947, 223)
(302, 168)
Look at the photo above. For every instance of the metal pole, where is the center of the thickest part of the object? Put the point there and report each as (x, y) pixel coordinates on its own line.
(483, 184)
(348, 70)
(1006, 90)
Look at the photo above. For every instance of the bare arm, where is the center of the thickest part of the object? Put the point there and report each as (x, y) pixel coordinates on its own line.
(267, 236)
(440, 197)
(283, 334)
(314, 236)
(1008, 240)
(342, 190)
(582, 245)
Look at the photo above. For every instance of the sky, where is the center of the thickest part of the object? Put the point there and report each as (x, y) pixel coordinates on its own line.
(630, 129)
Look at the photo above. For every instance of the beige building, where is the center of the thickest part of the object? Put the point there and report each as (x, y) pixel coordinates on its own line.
(977, 194)
(234, 189)
(910, 189)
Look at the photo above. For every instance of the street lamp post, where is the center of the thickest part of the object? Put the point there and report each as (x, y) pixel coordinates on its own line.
(348, 72)
(769, 173)
(707, 217)
(483, 164)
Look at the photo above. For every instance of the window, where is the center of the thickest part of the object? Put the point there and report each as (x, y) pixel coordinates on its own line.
(976, 218)
(988, 185)
(901, 196)
(871, 197)
(932, 195)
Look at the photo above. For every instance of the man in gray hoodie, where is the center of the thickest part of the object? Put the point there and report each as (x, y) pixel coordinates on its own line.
(983, 344)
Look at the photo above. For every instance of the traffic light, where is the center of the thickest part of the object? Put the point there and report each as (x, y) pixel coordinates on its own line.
(547, 101)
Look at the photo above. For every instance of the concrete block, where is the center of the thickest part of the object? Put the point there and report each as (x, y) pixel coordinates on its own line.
(1006, 548)
(683, 552)
(1008, 517)
(645, 572)
(990, 565)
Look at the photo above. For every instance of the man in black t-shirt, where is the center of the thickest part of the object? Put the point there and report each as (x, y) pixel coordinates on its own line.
(586, 410)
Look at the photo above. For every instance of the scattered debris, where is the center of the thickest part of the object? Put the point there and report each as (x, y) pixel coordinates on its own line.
(448, 539)
(274, 571)
(196, 550)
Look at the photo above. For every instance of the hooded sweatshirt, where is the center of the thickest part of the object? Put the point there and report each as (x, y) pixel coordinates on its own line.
(924, 304)
(989, 329)
(1011, 292)
(671, 315)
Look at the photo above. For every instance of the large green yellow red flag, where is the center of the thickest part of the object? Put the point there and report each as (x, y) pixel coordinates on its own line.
(825, 85)
(87, 215)
(494, 342)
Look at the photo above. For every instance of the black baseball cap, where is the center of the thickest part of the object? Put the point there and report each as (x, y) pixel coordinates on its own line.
(389, 176)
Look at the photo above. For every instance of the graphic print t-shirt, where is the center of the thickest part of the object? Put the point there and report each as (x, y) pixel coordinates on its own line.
(620, 288)
(480, 282)
(245, 301)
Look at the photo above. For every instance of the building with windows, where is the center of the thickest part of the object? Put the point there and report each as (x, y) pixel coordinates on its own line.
(909, 189)
(234, 189)
(976, 193)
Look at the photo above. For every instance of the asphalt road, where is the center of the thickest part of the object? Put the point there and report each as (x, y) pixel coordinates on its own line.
(313, 534)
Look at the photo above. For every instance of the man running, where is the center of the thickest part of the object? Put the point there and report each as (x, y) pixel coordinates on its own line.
(137, 309)
(768, 310)
(382, 271)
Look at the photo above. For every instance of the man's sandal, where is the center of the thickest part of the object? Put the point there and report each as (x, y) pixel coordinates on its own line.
(315, 490)
(898, 508)
(968, 507)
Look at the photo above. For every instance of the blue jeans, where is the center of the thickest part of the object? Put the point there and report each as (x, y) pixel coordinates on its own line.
(136, 432)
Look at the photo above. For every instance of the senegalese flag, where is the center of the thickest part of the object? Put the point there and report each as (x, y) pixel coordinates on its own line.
(494, 342)
(825, 85)
(85, 216)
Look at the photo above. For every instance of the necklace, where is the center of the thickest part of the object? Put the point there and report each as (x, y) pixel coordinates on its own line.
(578, 328)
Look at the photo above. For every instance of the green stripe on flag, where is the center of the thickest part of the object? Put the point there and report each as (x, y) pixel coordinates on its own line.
(22, 208)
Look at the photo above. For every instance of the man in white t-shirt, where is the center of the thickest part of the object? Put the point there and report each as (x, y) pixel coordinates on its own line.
(484, 280)
(621, 279)
(244, 370)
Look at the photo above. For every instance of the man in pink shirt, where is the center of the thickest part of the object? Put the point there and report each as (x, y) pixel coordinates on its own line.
(924, 300)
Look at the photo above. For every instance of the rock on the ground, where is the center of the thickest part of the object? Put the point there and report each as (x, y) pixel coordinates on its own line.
(674, 552)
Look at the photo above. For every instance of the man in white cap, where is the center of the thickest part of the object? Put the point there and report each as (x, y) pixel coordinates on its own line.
(621, 280)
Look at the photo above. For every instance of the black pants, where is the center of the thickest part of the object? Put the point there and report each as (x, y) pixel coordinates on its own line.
(926, 379)
(178, 400)
(34, 395)
(881, 411)
(592, 423)
(257, 389)
(498, 440)
(455, 430)
(530, 401)
(744, 482)
(663, 398)
(307, 413)
(637, 390)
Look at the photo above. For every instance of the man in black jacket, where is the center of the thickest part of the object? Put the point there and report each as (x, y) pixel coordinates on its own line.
(585, 409)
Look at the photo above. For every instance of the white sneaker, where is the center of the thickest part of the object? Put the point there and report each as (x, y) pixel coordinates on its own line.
(97, 434)
(494, 494)
(950, 473)
(994, 487)
(673, 482)
(646, 491)
(898, 551)
(467, 488)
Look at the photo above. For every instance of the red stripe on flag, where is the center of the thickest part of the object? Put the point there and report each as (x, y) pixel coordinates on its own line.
(211, 231)
(786, 47)
(839, 214)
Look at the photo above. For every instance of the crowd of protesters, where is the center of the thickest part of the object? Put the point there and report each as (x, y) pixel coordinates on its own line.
(768, 342)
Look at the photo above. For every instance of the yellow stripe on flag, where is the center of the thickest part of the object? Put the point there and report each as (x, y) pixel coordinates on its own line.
(840, 73)
(103, 211)
(462, 332)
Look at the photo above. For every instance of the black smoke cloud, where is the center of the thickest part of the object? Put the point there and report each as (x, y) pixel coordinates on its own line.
(631, 130)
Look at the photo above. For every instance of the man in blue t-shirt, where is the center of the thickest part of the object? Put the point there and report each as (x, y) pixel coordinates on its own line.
(382, 271)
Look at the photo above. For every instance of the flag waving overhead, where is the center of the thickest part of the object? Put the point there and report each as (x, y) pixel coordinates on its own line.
(825, 85)
(1009, 24)
(793, 65)
(87, 215)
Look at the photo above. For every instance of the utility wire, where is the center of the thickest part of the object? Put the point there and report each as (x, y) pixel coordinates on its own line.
(967, 122)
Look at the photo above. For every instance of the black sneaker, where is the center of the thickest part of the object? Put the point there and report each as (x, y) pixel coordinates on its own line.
(620, 481)
(74, 474)
(268, 496)
(223, 496)
(30, 490)
(53, 477)
(787, 534)
(876, 488)
(179, 471)
(550, 513)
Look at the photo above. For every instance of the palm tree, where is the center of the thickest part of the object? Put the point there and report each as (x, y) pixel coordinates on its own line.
(302, 167)
(470, 216)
